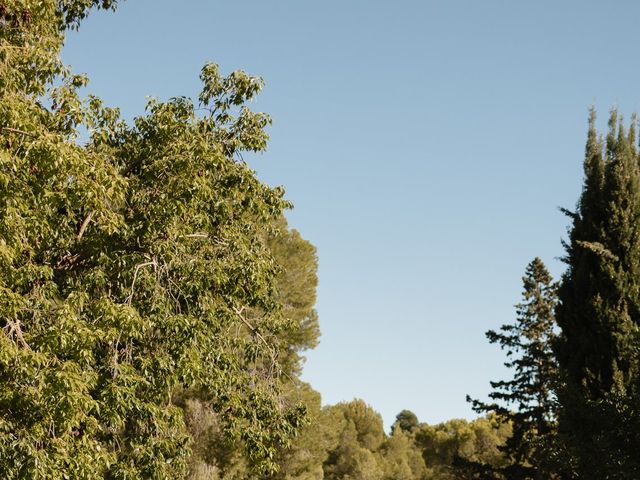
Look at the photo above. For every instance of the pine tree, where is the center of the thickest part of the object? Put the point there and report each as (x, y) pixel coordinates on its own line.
(361, 435)
(528, 343)
(296, 283)
(599, 310)
(406, 420)
(463, 450)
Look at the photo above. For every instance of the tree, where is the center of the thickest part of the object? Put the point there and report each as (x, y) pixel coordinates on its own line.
(360, 436)
(304, 459)
(401, 458)
(406, 420)
(459, 449)
(296, 280)
(129, 267)
(599, 310)
(296, 283)
(526, 401)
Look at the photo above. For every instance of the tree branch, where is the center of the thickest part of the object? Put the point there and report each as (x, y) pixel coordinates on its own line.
(84, 225)
(13, 329)
(21, 132)
(135, 277)
(254, 330)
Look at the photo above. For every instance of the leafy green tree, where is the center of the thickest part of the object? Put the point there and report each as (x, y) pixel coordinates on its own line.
(458, 449)
(599, 311)
(526, 401)
(129, 268)
(296, 281)
(401, 458)
(361, 434)
(308, 452)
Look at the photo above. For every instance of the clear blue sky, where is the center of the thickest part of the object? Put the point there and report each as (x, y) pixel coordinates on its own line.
(426, 146)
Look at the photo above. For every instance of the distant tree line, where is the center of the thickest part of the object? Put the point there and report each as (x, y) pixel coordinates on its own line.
(155, 305)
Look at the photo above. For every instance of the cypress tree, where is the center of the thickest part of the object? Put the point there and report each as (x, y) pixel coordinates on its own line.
(599, 309)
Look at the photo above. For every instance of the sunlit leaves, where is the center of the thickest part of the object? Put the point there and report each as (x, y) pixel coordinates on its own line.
(132, 268)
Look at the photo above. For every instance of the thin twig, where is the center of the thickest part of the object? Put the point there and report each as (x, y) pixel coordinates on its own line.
(135, 276)
(114, 360)
(196, 235)
(254, 330)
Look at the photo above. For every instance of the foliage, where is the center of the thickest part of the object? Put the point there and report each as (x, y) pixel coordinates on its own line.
(455, 449)
(406, 420)
(599, 310)
(401, 459)
(128, 268)
(296, 279)
(296, 283)
(155, 305)
(304, 458)
(360, 436)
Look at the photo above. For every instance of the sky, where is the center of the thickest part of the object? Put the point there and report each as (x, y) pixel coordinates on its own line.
(426, 146)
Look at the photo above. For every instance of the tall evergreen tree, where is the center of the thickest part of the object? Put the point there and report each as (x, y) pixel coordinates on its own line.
(599, 310)
(528, 343)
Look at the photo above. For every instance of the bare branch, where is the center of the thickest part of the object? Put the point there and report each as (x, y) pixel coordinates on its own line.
(135, 277)
(13, 330)
(68, 261)
(84, 225)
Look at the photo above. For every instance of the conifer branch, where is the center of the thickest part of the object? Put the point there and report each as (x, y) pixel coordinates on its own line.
(599, 249)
